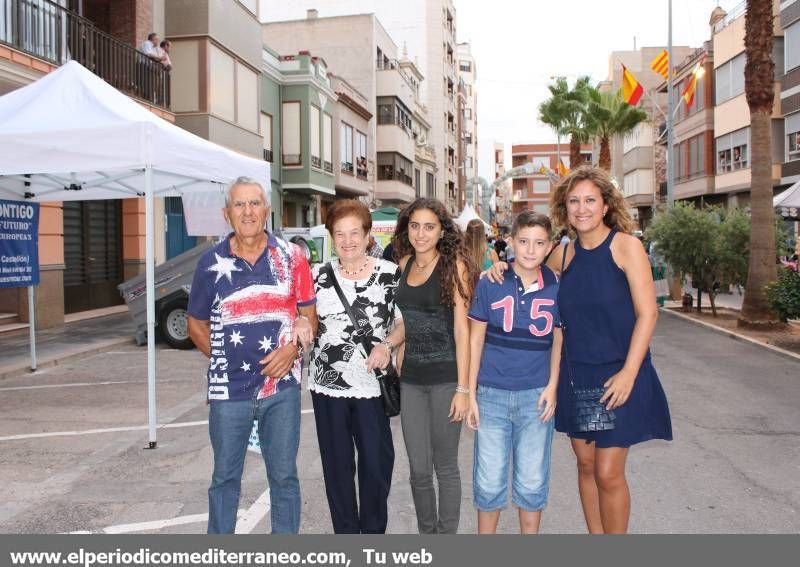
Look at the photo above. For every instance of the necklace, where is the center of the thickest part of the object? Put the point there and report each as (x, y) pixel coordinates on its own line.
(356, 272)
(428, 263)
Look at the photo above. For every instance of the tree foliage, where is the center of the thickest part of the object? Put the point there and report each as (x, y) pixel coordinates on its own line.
(608, 115)
(710, 244)
(784, 295)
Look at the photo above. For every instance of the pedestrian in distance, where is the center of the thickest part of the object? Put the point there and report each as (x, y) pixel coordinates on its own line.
(434, 296)
(475, 236)
(251, 302)
(348, 408)
(515, 352)
(608, 308)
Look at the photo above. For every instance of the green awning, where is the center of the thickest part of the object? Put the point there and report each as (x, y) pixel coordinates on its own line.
(386, 213)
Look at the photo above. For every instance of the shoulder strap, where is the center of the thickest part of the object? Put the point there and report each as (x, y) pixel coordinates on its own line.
(347, 307)
(564, 257)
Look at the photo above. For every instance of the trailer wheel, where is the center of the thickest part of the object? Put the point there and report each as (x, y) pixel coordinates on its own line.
(173, 324)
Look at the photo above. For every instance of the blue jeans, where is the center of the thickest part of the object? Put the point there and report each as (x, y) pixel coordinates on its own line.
(229, 425)
(510, 427)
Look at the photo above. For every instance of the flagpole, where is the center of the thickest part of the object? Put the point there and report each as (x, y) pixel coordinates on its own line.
(670, 115)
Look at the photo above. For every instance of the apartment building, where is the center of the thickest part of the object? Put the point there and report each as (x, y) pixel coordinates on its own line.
(533, 191)
(427, 28)
(731, 113)
(502, 213)
(693, 167)
(790, 91)
(467, 72)
(633, 160)
(360, 51)
(86, 248)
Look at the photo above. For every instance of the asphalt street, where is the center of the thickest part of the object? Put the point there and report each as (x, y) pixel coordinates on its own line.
(73, 438)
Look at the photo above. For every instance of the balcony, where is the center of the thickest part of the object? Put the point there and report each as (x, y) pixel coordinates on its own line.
(328, 166)
(316, 161)
(50, 32)
(268, 156)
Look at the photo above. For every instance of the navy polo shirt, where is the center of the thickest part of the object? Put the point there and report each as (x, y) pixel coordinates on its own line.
(519, 333)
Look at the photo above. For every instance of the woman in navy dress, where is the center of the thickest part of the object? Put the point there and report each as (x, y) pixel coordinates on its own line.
(608, 304)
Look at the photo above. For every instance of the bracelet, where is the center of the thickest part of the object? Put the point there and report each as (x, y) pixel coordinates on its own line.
(389, 346)
(462, 389)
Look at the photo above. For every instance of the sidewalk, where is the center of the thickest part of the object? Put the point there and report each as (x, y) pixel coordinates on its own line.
(59, 344)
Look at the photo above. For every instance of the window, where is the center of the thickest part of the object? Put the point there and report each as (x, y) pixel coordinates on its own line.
(792, 129)
(791, 47)
(346, 147)
(697, 160)
(540, 162)
(290, 134)
(246, 97)
(465, 66)
(417, 183)
(394, 167)
(221, 84)
(266, 133)
(732, 151)
(392, 111)
(429, 184)
(468, 113)
(361, 155)
(327, 142)
(729, 79)
(313, 126)
(541, 186)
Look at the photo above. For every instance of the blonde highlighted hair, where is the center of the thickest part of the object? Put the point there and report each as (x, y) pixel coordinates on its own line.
(617, 216)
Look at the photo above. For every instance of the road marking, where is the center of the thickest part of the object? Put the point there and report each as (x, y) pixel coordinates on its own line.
(70, 385)
(110, 430)
(247, 522)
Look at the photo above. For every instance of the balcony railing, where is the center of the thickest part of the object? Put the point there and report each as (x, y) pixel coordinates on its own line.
(328, 166)
(347, 167)
(316, 161)
(268, 155)
(50, 32)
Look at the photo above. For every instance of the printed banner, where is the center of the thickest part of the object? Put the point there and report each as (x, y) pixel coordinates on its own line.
(19, 243)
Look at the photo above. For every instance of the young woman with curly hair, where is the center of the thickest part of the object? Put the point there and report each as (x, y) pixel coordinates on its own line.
(607, 303)
(434, 296)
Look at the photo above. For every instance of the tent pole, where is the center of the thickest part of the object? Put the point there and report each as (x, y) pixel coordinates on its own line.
(32, 326)
(151, 306)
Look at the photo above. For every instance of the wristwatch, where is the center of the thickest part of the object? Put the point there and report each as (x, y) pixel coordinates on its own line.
(389, 346)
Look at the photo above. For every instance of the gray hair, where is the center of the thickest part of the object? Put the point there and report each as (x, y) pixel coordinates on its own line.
(245, 181)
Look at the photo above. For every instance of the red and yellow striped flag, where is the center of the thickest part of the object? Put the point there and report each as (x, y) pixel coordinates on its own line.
(562, 169)
(661, 64)
(691, 84)
(631, 89)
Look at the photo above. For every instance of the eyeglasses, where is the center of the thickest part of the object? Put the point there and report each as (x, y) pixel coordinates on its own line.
(253, 204)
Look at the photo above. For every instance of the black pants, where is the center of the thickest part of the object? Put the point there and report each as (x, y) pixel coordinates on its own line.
(344, 426)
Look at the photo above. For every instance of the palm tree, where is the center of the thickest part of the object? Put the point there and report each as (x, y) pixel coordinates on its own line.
(565, 112)
(607, 116)
(759, 89)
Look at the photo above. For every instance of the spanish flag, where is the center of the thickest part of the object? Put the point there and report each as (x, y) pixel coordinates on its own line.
(661, 64)
(563, 169)
(543, 170)
(691, 84)
(631, 89)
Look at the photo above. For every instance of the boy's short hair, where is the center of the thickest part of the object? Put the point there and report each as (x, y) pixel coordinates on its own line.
(527, 219)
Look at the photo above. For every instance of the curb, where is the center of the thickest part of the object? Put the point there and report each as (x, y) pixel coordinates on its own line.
(12, 371)
(739, 337)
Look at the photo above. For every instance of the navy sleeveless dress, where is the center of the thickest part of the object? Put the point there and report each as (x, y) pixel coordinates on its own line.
(595, 304)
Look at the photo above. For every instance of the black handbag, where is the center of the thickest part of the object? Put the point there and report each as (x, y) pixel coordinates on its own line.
(388, 379)
(587, 414)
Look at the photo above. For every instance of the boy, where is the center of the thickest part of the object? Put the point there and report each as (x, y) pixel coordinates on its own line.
(515, 351)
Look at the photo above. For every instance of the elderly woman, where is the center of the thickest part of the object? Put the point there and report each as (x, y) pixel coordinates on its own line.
(344, 389)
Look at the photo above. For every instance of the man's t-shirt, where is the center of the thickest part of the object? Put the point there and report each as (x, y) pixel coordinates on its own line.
(252, 310)
(519, 333)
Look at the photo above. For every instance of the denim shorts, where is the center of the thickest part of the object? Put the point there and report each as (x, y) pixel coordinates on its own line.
(510, 428)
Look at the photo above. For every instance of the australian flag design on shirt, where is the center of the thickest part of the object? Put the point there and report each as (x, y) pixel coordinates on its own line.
(251, 310)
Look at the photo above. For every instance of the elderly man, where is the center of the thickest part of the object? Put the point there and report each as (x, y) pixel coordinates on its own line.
(251, 298)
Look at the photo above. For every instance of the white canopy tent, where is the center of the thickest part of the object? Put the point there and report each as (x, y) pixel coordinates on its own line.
(467, 215)
(71, 137)
(787, 203)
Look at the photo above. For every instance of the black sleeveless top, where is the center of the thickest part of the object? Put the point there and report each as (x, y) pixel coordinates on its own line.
(430, 352)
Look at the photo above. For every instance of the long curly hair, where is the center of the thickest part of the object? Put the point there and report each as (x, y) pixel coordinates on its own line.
(617, 216)
(451, 247)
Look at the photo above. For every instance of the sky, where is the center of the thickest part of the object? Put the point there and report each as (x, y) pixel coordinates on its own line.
(519, 45)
